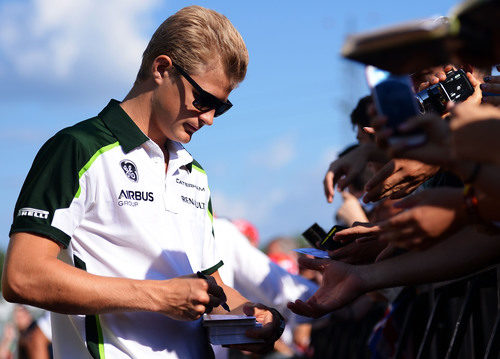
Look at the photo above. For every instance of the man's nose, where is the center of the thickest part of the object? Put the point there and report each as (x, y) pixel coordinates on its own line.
(207, 117)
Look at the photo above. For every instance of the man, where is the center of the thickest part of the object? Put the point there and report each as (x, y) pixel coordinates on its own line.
(114, 217)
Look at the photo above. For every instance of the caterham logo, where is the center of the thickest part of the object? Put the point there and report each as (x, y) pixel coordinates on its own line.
(130, 170)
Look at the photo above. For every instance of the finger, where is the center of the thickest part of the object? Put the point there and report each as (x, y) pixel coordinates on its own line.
(249, 308)
(404, 191)
(477, 95)
(360, 224)
(369, 130)
(198, 311)
(360, 230)
(440, 75)
(314, 264)
(472, 79)
(328, 186)
(366, 239)
(448, 67)
(380, 176)
(433, 79)
(301, 308)
(423, 86)
(305, 309)
(354, 172)
(385, 189)
(200, 292)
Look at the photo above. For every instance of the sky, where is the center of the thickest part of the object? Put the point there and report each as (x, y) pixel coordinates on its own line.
(61, 61)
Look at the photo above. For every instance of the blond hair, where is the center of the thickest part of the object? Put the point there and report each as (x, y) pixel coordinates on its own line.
(194, 38)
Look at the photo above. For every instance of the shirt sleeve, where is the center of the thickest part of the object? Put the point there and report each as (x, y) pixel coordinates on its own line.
(53, 186)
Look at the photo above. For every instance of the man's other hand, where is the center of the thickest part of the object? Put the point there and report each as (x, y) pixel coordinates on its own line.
(272, 327)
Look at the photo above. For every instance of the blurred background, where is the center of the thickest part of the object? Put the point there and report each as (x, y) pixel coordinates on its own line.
(62, 60)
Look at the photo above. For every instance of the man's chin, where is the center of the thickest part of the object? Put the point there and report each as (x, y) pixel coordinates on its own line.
(185, 138)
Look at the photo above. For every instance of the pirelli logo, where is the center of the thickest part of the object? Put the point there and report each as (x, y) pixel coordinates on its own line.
(32, 212)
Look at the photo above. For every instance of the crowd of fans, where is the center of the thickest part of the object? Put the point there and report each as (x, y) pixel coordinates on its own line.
(435, 199)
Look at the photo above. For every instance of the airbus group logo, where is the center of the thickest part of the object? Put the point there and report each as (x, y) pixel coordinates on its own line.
(130, 170)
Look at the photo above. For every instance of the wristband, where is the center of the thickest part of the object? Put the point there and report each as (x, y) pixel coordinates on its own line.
(275, 313)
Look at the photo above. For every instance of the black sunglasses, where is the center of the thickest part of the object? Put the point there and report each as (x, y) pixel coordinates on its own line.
(203, 100)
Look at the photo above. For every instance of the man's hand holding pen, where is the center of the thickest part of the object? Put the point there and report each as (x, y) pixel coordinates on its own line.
(216, 293)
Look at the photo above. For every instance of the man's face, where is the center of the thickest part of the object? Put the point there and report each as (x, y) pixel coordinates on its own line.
(174, 114)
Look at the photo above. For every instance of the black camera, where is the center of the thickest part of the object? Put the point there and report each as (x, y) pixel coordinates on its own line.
(318, 238)
(456, 88)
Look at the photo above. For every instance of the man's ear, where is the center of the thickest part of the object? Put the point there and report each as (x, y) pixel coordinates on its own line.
(160, 67)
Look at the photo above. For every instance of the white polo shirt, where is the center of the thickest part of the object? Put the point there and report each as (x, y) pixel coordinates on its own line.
(99, 189)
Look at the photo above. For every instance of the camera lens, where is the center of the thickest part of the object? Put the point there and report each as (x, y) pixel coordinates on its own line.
(421, 97)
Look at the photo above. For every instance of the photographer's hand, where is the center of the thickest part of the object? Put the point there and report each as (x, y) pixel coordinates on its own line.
(476, 97)
(428, 77)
